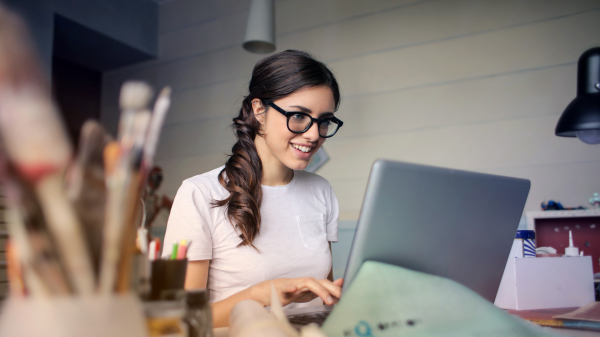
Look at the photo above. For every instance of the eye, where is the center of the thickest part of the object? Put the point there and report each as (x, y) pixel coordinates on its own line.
(298, 117)
(326, 122)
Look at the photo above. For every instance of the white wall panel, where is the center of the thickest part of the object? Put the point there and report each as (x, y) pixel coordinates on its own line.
(223, 99)
(202, 37)
(468, 84)
(537, 45)
(474, 146)
(196, 139)
(178, 14)
(294, 16)
(177, 170)
(496, 98)
(425, 22)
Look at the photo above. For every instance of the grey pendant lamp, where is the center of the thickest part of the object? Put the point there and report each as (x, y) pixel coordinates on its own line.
(260, 30)
(581, 118)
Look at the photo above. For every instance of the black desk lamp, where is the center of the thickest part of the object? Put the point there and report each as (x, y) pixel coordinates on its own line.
(581, 118)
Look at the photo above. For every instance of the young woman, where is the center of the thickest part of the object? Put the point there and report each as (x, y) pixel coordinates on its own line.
(260, 219)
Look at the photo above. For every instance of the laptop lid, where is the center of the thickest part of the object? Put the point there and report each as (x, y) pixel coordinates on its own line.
(451, 223)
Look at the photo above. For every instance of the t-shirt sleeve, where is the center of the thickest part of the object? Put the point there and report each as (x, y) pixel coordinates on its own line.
(333, 213)
(190, 220)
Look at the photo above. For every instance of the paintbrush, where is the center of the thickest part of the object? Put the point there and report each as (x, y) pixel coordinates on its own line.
(36, 143)
(133, 214)
(122, 181)
(86, 187)
(33, 245)
(159, 113)
(146, 147)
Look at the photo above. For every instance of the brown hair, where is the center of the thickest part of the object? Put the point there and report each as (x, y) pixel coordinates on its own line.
(273, 78)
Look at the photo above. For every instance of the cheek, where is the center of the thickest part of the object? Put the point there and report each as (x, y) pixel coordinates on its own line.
(278, 137)
(320, 142)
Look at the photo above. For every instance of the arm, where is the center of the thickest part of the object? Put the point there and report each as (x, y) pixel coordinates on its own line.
(197, 278)
(289, 290)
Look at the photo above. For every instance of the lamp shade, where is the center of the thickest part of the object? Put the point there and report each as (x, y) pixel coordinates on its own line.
(260, 30)
(582, 115)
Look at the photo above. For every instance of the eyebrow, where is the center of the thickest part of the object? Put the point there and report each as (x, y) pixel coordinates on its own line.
(301, 108)
(309, 111)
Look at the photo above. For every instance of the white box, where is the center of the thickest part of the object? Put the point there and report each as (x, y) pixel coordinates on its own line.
(546, 282)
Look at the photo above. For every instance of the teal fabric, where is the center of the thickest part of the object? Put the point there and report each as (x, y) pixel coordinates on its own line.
(386, 300)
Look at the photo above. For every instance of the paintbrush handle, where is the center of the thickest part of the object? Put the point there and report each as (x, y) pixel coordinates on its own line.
(67, 233)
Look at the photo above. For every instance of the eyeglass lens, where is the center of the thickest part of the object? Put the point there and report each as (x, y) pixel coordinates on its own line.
(300, 123)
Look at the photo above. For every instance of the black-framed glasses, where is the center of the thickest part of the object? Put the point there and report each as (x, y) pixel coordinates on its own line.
(300, 122)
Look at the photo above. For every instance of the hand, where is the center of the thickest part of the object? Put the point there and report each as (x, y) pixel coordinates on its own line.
(300, 290)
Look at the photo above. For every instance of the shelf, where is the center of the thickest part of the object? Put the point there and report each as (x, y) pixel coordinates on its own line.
(586, 213)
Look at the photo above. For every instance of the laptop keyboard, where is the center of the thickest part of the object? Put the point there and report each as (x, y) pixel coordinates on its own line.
(311, 317)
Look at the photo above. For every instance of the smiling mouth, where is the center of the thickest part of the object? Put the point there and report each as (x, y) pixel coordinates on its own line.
(304, 149)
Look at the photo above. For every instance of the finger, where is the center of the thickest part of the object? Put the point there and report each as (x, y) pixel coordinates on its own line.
(289, 288)
(318, 289)
(333, 288)
(339, 282)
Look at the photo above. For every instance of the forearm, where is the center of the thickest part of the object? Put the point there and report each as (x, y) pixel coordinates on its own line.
(221, 309)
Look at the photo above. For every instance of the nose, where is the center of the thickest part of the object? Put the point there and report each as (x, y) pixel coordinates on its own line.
(312, 134)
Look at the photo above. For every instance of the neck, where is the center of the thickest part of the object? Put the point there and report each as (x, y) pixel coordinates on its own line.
(274, 172)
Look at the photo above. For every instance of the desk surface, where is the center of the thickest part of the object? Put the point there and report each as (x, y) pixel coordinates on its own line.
(547, 314)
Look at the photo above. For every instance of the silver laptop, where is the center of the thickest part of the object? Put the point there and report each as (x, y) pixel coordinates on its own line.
(451, 223)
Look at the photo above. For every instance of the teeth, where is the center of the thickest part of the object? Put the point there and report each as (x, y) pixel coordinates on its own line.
(302, 148)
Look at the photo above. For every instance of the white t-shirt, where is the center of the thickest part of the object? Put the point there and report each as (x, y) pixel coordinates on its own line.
(298, 221)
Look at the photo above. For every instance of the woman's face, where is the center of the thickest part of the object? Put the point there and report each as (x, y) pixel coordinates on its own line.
(285, 147)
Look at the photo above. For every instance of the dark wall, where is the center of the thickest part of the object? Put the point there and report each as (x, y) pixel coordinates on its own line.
(130, 23)
(77, 91)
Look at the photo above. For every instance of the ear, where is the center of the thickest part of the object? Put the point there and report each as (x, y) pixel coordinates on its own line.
(259, 110)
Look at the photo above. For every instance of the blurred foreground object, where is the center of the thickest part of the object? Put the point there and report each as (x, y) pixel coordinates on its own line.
(72, 221)
(581, 118)
(114, 316)
(250, 319)
(38, 155)
(387, 300)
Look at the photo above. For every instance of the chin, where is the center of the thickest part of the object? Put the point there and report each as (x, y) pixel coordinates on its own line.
(298, 165)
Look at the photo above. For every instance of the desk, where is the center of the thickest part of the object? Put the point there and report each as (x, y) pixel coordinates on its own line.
(547, 314)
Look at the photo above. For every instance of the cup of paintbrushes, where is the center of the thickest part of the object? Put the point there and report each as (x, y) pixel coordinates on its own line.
(167, 276)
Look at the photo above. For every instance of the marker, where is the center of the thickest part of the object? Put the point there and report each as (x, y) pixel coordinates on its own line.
(157, 253)
(174, 252)
(182, 252)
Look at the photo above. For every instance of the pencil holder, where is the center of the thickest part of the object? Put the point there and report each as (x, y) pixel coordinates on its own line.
(74, 316)
(166, 276)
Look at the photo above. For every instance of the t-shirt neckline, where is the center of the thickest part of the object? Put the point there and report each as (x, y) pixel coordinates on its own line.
(288, 185)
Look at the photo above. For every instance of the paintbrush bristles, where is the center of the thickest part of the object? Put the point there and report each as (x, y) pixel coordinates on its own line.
(135, 95)
(165, 92)
(158, 117)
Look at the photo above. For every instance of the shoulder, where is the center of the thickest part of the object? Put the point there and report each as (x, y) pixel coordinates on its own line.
(207, 183)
